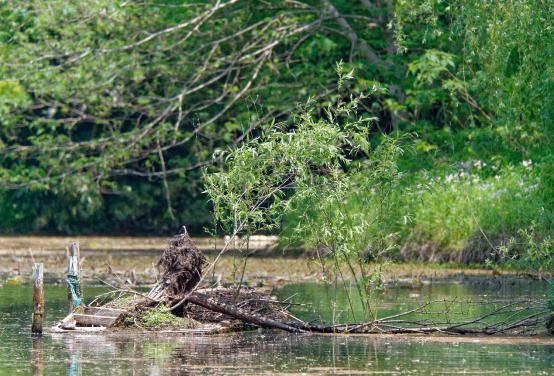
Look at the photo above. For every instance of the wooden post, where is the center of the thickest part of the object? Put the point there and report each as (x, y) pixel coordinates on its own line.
(74, 291)
(78, 254)
(38, 298)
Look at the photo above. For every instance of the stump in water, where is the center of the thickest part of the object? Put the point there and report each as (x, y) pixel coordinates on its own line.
(181, 265)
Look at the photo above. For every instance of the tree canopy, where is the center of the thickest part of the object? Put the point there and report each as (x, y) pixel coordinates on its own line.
(109, 110)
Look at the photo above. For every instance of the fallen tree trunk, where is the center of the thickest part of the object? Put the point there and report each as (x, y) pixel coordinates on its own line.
(240, 314)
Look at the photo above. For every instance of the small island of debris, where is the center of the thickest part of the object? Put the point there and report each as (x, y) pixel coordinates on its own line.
(180, 302)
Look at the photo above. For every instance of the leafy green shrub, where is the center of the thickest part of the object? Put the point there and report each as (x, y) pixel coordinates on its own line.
(362, 221)
(530, 250)
(319, 174)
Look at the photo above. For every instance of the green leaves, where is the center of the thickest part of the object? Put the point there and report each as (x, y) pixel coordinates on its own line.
(12, 96)
(265, 176)
(504, 71)
(96, 88)
(428, 67)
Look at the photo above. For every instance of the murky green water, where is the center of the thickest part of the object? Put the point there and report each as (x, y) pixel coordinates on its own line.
(268, 352)
(456, 300)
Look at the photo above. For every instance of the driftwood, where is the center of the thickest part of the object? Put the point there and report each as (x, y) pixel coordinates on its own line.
(100, 317)
(93, 320)
(104, 311)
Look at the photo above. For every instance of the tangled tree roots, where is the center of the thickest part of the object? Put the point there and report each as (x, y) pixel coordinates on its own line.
(181, 265)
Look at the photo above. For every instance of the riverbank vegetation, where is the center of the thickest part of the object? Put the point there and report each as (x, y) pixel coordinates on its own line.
(436, 140)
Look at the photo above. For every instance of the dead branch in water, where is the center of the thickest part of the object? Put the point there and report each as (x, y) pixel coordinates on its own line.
(518, 320)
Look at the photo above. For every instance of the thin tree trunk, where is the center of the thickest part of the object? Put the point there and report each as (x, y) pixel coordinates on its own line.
(358, 43)
(385, 22)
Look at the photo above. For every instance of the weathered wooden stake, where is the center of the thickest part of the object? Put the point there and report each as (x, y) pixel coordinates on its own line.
(74, 291)
(38, 298)
(78, 253)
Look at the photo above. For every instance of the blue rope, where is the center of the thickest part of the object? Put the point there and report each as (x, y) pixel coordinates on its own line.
(74, 285)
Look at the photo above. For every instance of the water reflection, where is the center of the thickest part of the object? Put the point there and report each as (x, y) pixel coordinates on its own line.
(278, 353)
(38, 358)
(264, 352)
(329, 303)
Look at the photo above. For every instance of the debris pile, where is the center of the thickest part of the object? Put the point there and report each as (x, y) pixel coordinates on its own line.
(177, 294)
(177, 303)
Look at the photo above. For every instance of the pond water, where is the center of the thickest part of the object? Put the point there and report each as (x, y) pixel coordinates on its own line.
(268, 352)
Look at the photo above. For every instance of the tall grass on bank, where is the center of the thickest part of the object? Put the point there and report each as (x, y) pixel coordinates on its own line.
(466, 208)
(470, 213)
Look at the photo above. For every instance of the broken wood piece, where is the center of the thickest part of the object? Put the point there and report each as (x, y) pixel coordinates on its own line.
(68, 323)
(104, 311)
(94, 320)
(102, 317)
(84, 329)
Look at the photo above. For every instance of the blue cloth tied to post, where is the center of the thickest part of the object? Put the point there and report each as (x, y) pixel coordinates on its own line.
(74, 285)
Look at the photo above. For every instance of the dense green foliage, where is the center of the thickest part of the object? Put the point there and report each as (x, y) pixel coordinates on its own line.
(493, 190)
(110, 109)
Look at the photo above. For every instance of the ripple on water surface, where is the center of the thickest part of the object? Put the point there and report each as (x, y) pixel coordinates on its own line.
(261, 352)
